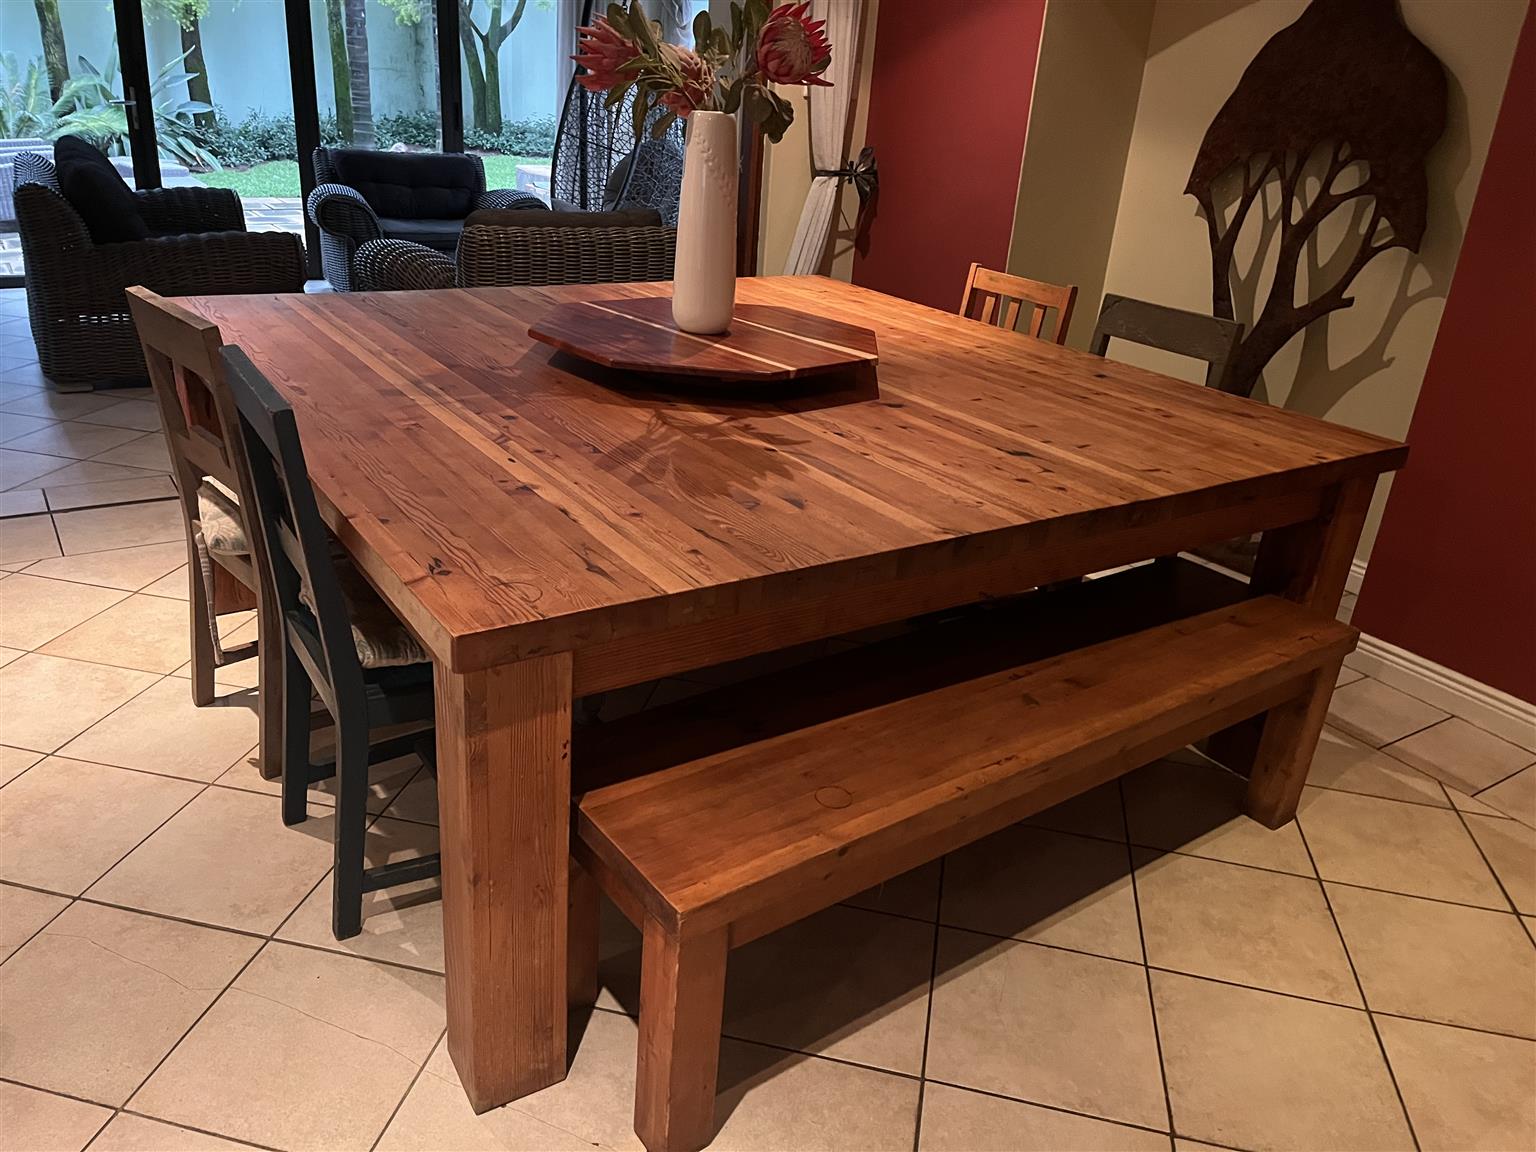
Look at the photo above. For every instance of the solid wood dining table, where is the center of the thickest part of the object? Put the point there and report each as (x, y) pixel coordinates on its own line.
(551, 529)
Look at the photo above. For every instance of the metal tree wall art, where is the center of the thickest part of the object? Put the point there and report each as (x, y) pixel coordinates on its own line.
(1339, 109)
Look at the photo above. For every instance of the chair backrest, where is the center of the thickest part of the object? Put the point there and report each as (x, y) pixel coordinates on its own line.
(1191, 334)
(295, 553)
(406, 185)
(599, 163)
(1000, 299)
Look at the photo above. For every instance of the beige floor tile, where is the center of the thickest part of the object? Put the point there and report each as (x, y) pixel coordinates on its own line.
(139, 414)
(955, 1120)
(307, 1050)
(147, 632)
(22, 502)
(73, 440)
(9, 654)
(32, 1121)
(100, 995)
(63, 497)
(15, 761)
(1440, 962)
(173, 585)
(914, 893)
(23, 912)
(1186, 808)
(1515, 796)
(844, 983)
(16, 424)
(18, 468)
(1371, 711)
(161, 730)
(1096, 812)
(98, 529)
(417, 801)
(403, 924)
(1400, 847)
(768, 1100)
(85, 472)
(51, 700)
(1463, 1089)
(34, 611)
(1473, 806)
(60, 405)
(1243, 925)
(1182, 1145)
(387, 780)
(1349, 765)
(129, 1133)
(25, 538)
(1055, 1027)
(225, 859)
(1258, 1070)
(65, 822)
(1511, 848)
(148, 452)
(1050, 887)
(1461, 754)
(128, 569)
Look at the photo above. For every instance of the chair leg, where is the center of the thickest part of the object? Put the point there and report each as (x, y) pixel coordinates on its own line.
(269, 692)
(203, 623)
(582, 917)
(294, 695)
(1286, 748)
(351, 828)
(682, 998)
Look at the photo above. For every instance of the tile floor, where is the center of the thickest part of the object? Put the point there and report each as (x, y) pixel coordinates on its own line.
(1141, 968)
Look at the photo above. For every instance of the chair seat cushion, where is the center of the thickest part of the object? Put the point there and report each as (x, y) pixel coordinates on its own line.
(377, 634)
(98, 192)
(219, 516)
(441, 235)
(411, 185)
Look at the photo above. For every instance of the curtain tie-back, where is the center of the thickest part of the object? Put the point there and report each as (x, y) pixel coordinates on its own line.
(863, 173)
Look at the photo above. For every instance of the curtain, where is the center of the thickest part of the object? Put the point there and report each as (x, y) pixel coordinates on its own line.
(829, 129)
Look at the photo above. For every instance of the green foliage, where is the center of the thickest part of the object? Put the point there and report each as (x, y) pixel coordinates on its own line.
(414, 129)
(26, 109)
(184, 12)
(532, 137)
(87, 110)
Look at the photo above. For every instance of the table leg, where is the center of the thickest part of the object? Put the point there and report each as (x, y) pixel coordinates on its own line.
(1308, 563)
(504, 796)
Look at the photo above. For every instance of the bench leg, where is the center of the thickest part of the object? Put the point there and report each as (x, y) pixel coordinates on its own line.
(682, 997)
(1285, 751)
(584, 912)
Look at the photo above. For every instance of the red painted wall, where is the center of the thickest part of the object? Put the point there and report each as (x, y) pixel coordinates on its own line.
(948, 105)
(1453, 574)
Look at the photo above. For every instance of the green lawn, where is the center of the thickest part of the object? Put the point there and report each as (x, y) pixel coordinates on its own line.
(281, 177)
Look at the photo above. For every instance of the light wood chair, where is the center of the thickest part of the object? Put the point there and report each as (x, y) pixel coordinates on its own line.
(999, 299)
(1191, 334)
(197, 412)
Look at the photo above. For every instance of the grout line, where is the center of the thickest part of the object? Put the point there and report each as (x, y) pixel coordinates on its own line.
(4, 1079)
(126, 1111)
(1504, 779)
(1052, 1107)
(1497, 879)
(933, 977)
(395, 1111)
(108, 504)
(1146, 965)
(38, 931)
(1381, 1044)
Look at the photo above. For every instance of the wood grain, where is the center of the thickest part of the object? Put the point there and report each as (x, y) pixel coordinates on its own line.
(763, 344)
(507, 506)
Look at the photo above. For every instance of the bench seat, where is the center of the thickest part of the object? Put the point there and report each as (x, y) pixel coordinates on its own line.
(711, 853)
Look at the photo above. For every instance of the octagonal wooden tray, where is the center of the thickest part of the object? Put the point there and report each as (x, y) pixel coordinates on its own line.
(763, 344)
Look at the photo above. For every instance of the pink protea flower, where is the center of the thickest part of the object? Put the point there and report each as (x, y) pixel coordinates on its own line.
(607, 55)
(793, 49)
(698, 80)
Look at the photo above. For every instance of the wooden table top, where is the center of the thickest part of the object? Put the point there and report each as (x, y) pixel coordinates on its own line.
(507, 502)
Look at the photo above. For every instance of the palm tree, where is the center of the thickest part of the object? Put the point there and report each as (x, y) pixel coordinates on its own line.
(361, 99)
(55, 55)
(188, 15)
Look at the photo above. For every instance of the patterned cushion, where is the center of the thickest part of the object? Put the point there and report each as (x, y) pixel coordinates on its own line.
(377, 634)
(220, 518)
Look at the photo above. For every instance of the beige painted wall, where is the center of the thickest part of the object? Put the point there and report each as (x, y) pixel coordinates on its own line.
(1087, 85)
(1361, 366)
(787, 173)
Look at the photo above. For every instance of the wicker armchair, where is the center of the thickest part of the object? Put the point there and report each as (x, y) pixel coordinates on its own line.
(198, 245)
(498, 256)
(347, 220)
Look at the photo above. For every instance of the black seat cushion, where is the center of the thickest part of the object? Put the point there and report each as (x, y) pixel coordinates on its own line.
(96, 190)
(411, 185)
(442, 235)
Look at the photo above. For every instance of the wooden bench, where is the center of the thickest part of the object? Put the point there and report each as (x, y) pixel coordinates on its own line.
(708, 854)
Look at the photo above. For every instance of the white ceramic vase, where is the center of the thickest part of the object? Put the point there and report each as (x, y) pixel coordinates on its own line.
(704, 275)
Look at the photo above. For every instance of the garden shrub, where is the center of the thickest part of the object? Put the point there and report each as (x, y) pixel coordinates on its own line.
(262, 136)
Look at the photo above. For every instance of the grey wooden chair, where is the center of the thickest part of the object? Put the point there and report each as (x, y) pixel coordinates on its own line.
(1191, 334)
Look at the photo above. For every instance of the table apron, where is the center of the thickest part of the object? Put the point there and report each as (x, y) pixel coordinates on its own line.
(634, 659)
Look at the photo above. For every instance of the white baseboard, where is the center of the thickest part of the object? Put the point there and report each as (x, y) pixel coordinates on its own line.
(1490, 709)
(1356, 576)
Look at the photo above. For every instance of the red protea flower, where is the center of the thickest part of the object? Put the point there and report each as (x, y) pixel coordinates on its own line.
(792, 48)
(696, 87)
(606, 54)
